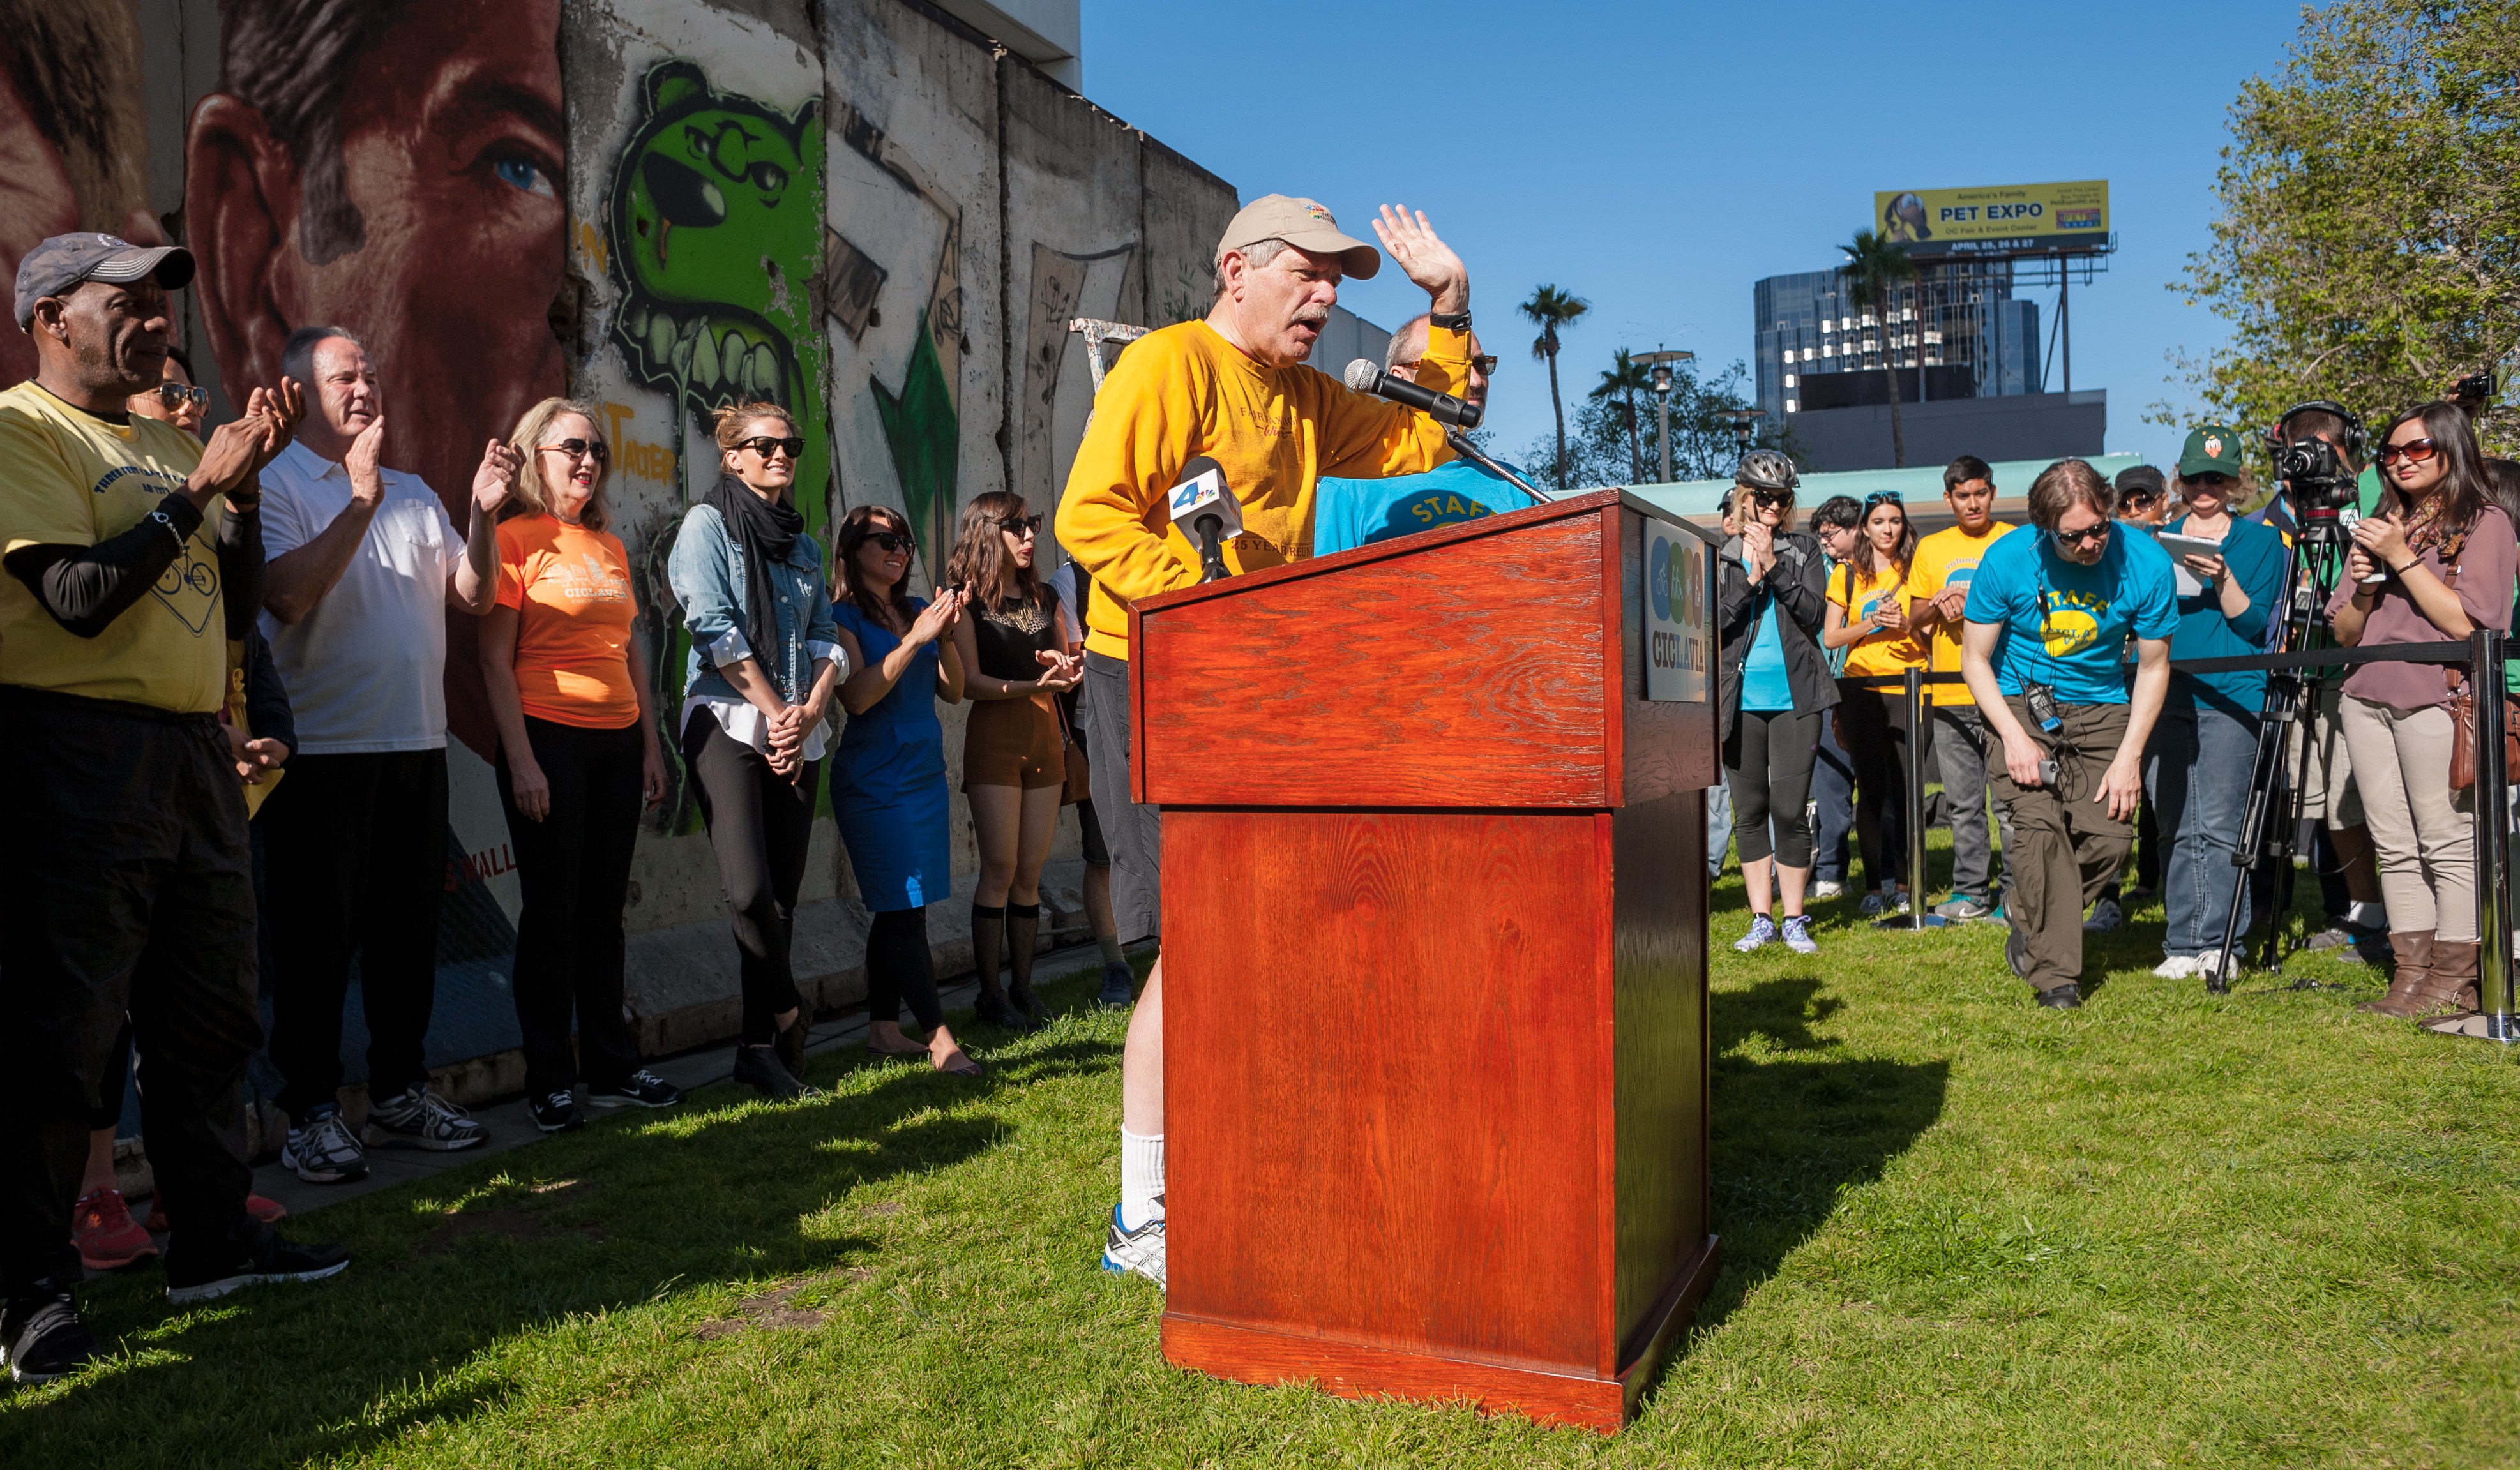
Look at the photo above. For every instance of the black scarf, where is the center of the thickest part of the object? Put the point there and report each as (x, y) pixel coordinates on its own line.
(767, 532)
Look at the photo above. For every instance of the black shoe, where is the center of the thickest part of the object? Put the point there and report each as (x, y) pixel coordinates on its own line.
(41, 1337)
(259, 1257)
(555, 1112)
(641, 1089)
(757, 1068)
(994, 1007)
(2065, 996)
(1119, 985)
(2016, 952)
(790, 1047)
(1028, 1001)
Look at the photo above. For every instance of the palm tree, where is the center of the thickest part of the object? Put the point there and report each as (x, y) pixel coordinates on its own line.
(1620, 383)
(1874, 267)
(1550, 309)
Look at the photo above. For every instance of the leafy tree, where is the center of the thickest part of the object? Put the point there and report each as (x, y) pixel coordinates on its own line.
(1617, 392)
(1703, 444)
(1550, 309)
(1875, 265)
(2368, 246)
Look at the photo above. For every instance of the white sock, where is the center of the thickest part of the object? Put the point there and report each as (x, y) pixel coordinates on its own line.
(1141, 1177)
(2367, 916)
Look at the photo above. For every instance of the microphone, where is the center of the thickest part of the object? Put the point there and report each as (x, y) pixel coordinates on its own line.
(1205, 510)
(1365, 378)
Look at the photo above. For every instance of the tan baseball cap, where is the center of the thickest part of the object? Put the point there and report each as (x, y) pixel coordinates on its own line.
(1305, 224)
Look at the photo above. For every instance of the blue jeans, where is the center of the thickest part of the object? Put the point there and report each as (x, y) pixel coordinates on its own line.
(1832, 787)
(2196, 775)
(1719, 827)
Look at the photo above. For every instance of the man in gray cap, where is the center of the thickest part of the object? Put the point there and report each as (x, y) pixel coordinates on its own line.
(134, 554)
(1231, 388)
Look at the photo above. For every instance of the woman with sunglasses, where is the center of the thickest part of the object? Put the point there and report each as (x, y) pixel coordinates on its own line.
(764, 662)
(1775, 688)
(1014, 768)
(2434, 565)
(577, 760)
(889, 785)
(2197, 770)
(1866, 616)
(174, 400)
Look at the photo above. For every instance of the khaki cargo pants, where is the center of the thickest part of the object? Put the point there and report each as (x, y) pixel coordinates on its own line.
(2065, 849)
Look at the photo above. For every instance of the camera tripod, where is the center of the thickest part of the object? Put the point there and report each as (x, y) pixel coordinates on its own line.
(2276, 796)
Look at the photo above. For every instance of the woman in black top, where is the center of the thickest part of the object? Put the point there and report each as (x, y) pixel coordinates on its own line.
(1013, 753)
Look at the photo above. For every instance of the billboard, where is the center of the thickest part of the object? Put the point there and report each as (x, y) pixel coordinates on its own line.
(1997, 220)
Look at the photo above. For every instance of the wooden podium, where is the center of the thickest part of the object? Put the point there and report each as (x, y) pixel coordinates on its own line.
(1435, 1026)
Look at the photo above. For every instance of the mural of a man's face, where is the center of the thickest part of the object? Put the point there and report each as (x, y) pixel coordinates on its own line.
(36, 203)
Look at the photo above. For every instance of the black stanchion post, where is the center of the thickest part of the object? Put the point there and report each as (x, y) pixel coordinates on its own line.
(2493, 825)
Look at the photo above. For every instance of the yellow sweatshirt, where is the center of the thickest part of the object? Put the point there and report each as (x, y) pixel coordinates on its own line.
(1185, 391)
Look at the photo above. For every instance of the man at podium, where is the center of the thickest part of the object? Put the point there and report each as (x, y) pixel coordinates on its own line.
(1233, 389)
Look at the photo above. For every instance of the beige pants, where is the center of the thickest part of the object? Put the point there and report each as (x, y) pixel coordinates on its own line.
(2422, 836)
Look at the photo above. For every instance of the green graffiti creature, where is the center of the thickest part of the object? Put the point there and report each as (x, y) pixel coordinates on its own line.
(716, 233)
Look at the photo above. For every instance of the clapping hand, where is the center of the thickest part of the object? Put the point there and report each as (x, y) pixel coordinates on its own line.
(2384, 539)
(1888, 616)
(2359, 565)
(1061, 672)
(496, 479)
(938, 617)
(1758, 548)
(366, 486)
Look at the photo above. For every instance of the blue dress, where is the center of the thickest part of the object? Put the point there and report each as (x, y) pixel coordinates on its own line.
(888, 779)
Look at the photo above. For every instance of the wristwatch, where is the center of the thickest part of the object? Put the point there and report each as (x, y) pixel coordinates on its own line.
(168, 521)
(1449, 321)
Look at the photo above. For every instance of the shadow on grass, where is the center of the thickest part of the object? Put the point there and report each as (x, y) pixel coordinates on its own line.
(626, 1212)
(1796, 1123)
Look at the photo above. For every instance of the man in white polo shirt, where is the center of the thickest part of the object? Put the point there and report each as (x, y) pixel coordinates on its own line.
(363, 564)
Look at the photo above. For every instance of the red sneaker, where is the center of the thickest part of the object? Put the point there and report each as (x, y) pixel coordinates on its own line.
(108, 1239)
(268, 1211)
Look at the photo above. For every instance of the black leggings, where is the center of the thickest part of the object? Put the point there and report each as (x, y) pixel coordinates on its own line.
(900, 968)
(1876, 730)
(1768, 767)
(758, 822)
(574, 869)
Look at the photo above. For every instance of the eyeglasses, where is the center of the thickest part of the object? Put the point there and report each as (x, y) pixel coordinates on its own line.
(582, 449)
(177, 394)
(1485, 362)
(763, 445)
(892, 543)
(2095, 533)
(2414, 452)
(1020, 525)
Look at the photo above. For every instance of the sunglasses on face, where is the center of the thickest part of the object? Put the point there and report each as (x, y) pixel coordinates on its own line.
(175, 395)
(1769, 499)
(892, 543)
(2088, 535)
(582, 449)
(1485, 362)
(764, 446)
(1020, 525)
(2141, 500)
(2414, 452)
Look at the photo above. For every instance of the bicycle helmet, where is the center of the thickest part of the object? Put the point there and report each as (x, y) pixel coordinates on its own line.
(1767, 470)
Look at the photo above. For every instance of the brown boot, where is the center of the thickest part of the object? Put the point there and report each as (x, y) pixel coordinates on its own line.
(2449, 983)
(2415, 952)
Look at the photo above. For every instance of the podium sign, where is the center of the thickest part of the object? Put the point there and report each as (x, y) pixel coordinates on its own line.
(1679, 612)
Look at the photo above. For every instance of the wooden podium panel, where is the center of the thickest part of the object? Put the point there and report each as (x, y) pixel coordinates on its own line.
(1435, 969)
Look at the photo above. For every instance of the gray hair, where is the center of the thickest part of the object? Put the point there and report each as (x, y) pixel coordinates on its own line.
(1395, 351)
(297, 357)
(1256, 254)
(292, 60)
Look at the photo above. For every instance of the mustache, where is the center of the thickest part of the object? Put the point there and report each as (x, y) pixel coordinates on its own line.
(1312, 316)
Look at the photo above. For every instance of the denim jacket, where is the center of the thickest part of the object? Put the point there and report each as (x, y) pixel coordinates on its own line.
(707, 576)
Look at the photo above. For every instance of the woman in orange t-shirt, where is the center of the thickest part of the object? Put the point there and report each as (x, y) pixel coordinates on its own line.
(578, 759)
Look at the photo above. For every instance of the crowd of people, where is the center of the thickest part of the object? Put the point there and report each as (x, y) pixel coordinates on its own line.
(2069, 707)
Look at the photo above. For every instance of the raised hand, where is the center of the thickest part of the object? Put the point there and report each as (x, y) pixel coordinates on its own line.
(366, 484)
(496, 479)
(281, 409)
(1423, 257)
(938, 617)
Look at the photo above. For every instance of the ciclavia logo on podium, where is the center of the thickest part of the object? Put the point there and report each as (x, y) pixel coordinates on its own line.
(1680, 614)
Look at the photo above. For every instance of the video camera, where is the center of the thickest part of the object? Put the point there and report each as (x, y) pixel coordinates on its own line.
(2316, 477)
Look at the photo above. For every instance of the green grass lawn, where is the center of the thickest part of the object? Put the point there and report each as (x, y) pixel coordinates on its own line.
(2166, 1230)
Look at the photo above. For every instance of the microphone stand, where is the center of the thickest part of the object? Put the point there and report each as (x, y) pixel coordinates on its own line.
(1466, 450)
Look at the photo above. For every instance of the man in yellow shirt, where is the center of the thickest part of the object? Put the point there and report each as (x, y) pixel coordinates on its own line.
(1937, 585)
(132, 553)
(1233, 387)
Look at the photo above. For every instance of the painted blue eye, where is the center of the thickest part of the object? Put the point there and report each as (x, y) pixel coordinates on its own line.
(520, 173)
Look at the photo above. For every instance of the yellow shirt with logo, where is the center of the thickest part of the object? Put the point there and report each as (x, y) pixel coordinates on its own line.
(1947, 557)
(70, 478)
(1883, 652)
(1184, 392)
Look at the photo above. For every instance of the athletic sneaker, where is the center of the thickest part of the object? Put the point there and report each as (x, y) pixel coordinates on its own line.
(108, 1239)
(1964, 906)
(1119, 985)
(41, 1338)
(2176, 967)
(203, 1274)
(1798, 935)
(421, 1119)
(322, 1150)
(555, 1112)
(1827, 888)
(2215, 966)
(1889, 899)
(1763, 931)
(641, 1089)
(2065, 996)
(2016, 954)
(1141, 1250)
(2106, 917)
(757, 1068)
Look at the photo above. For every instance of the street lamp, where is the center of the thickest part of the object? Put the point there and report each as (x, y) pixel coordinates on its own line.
(1741, 420)
(1662, 363)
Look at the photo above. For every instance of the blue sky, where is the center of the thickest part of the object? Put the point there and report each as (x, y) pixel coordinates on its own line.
(1658, 159)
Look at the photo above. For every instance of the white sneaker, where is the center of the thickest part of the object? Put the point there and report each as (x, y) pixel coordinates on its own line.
(1827, 888)
(1141, 1250)
(2176, 967)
